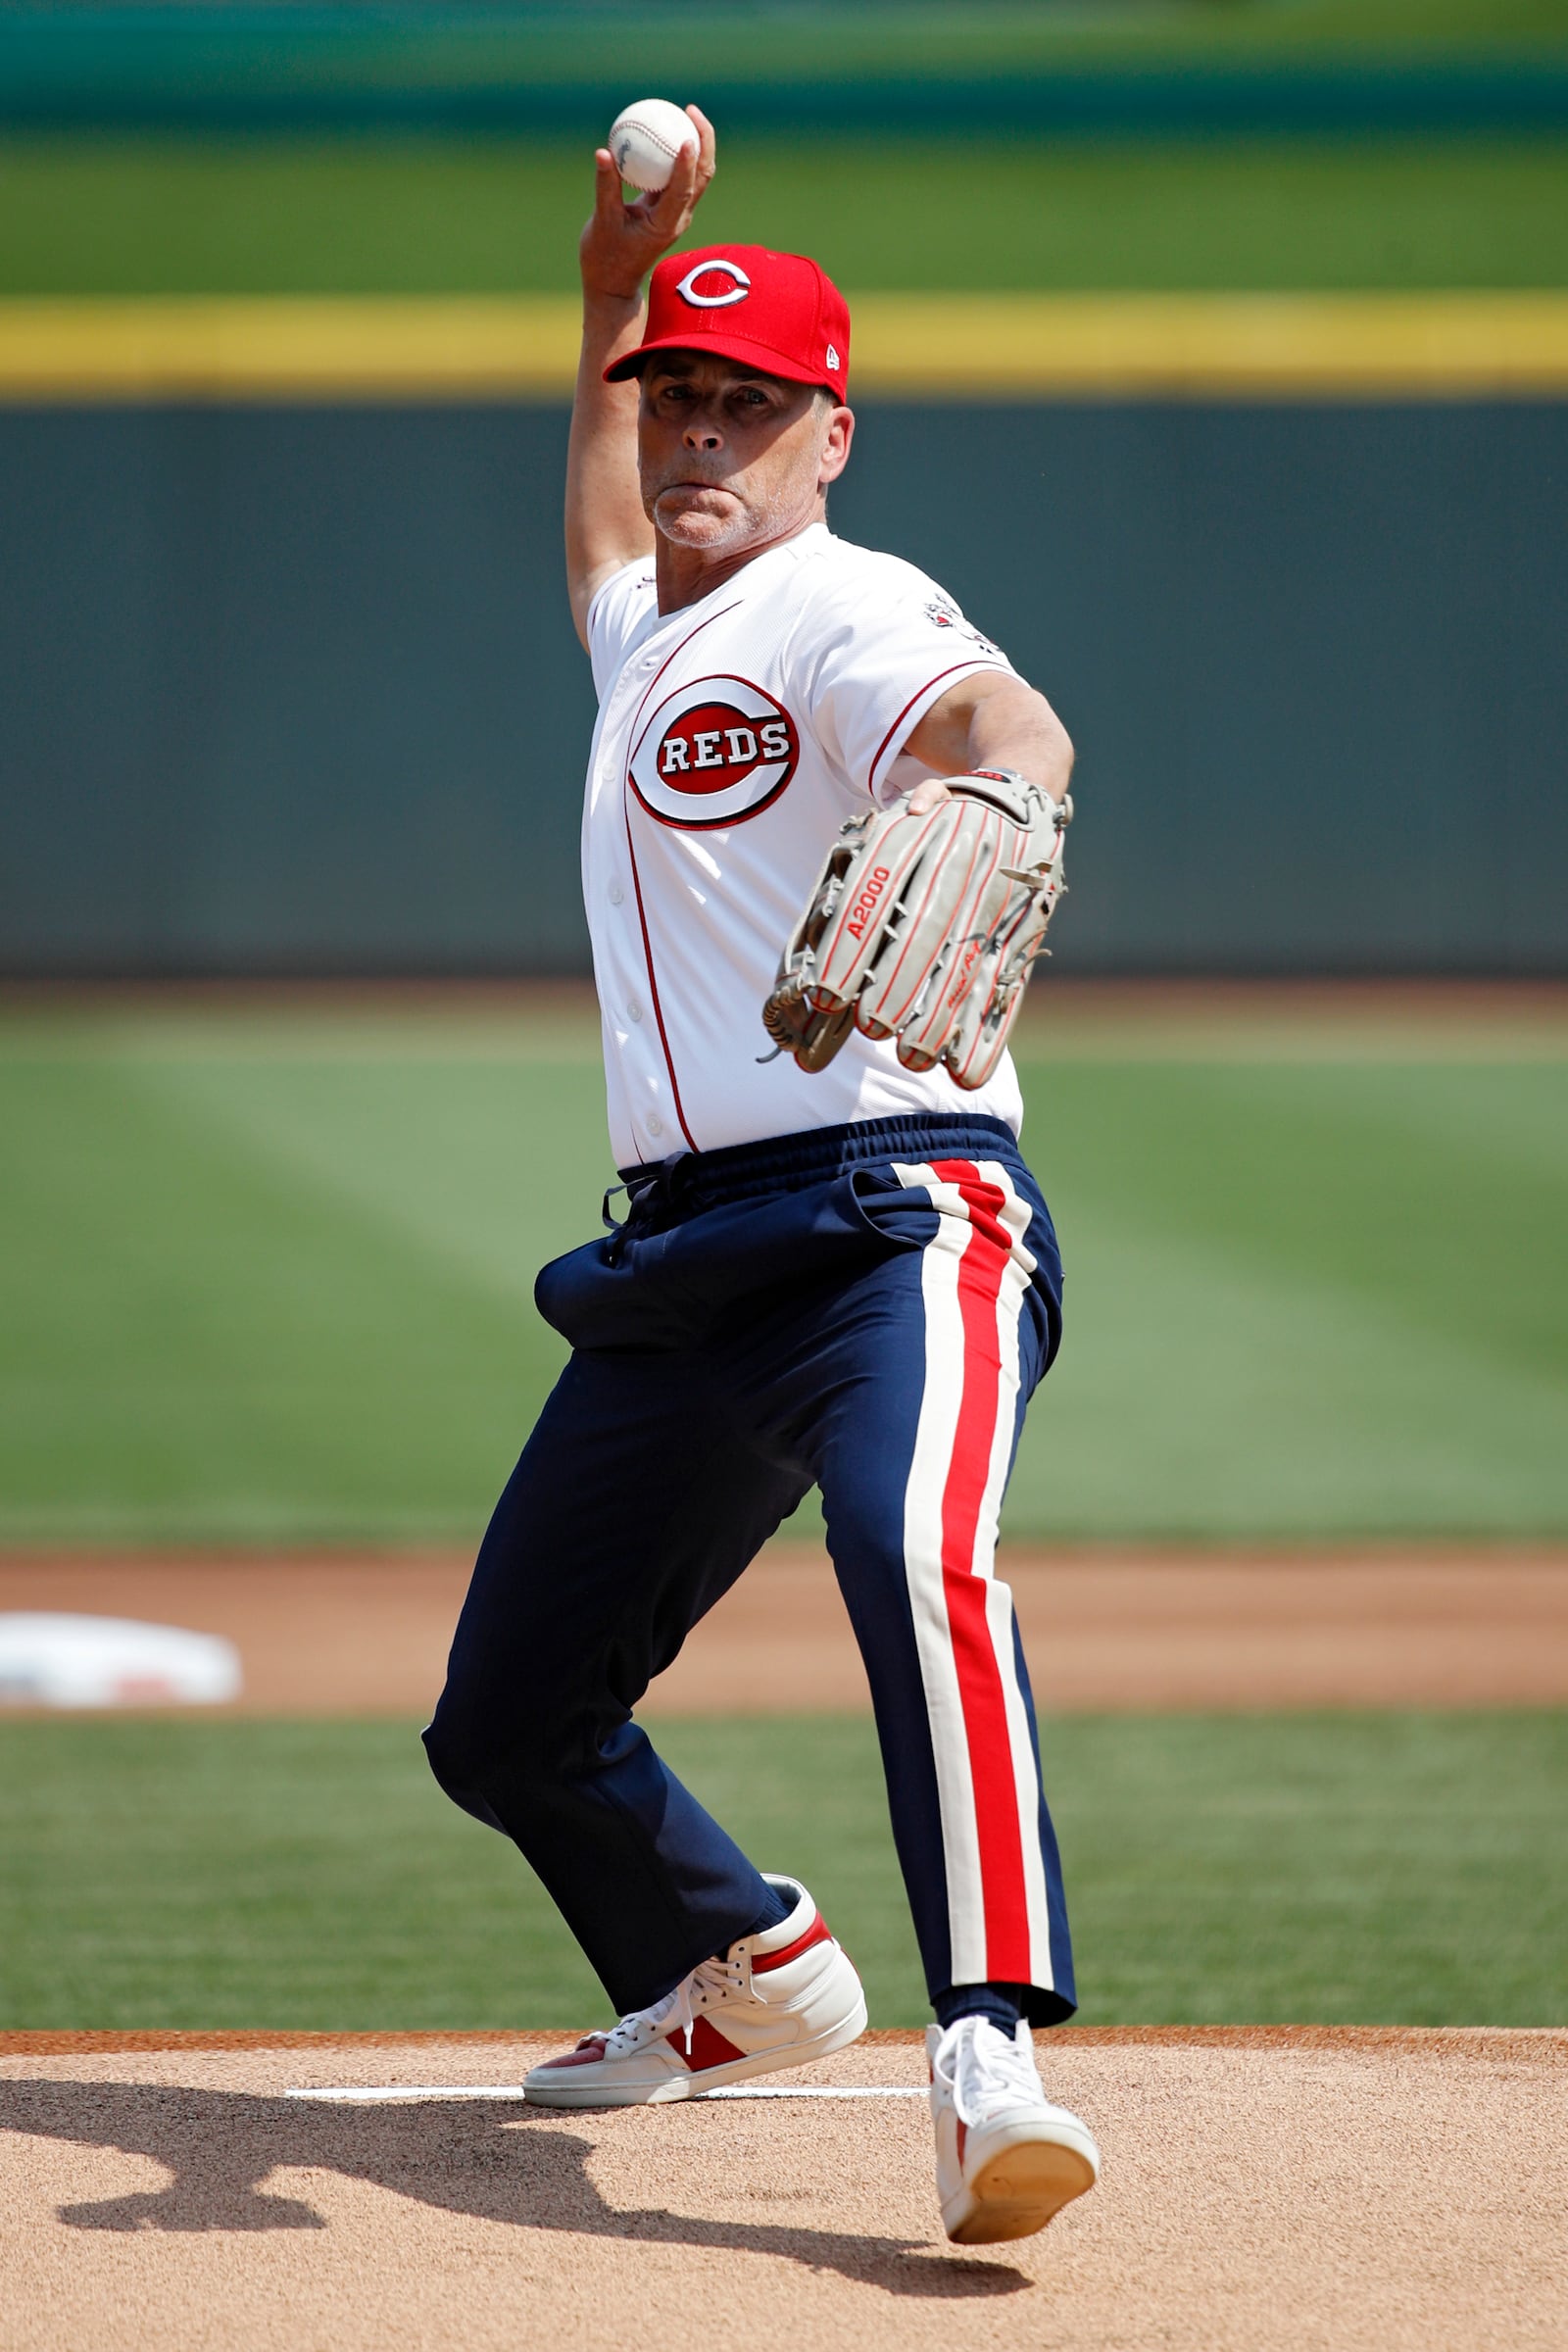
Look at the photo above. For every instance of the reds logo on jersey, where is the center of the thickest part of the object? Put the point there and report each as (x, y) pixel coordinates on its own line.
(716, 751)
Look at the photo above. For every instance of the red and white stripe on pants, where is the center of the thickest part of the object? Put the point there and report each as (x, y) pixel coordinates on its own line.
(975, 1275)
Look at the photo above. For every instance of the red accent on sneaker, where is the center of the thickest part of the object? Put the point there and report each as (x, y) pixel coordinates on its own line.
(588, 2050)
(963, 2133)
(703, 2046)
(818, 1933)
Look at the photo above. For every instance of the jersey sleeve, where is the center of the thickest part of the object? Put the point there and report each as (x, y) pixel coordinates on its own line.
(617, 613)
(875, 662)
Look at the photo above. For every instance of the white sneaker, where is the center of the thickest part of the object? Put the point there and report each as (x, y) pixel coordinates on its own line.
(779, 1999)
(1006, 2159)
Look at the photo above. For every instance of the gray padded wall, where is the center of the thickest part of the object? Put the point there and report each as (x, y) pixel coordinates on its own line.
(1314, 660)
(287, 691)
(294, 690)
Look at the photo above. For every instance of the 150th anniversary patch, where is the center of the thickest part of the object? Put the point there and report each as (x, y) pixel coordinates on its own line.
(716, 751)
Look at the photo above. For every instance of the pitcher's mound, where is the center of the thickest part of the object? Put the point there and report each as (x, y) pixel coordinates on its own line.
(1274, 2188)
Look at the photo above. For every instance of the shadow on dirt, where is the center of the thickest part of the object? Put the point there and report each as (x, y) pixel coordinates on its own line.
(497, 2162)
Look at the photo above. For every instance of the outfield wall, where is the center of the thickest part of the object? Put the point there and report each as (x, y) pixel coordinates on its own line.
(292, 689)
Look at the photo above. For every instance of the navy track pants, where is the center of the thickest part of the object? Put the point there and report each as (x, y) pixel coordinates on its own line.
(867, 1309)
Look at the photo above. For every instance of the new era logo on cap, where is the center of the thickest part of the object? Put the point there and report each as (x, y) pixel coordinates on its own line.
(778, 313)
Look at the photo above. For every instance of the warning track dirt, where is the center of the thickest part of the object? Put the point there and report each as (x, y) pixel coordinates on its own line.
(339, 1633)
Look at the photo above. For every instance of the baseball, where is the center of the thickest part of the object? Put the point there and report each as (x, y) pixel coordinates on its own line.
(645, 140)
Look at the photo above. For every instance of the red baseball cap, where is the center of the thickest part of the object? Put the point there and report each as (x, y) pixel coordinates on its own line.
(775, 312)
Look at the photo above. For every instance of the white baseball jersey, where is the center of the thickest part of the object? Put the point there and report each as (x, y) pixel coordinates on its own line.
(734, 738)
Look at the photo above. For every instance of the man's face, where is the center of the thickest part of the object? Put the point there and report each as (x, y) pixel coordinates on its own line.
(728, 460)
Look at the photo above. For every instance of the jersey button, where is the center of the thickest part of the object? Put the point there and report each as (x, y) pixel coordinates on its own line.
(617, 894)
(634, 1008)
(654, 1123)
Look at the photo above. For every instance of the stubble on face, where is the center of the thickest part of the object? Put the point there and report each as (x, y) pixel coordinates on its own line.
(755, 488)
(716, 519)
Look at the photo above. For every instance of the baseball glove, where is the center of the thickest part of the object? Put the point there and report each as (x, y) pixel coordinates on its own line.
(924, 928)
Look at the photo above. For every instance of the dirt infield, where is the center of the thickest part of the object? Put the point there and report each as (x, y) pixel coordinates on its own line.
(1115, 1630)
(1265, 2191)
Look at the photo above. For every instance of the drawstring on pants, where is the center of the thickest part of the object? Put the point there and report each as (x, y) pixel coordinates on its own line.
(647, 1194)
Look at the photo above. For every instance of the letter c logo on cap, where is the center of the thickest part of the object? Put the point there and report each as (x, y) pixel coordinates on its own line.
(739, 287)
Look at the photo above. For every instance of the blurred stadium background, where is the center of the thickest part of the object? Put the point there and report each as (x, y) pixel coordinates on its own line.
(1214, 353)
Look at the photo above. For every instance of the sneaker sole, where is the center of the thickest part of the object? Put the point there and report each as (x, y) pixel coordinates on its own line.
(1018, 2191)
(671, 2088)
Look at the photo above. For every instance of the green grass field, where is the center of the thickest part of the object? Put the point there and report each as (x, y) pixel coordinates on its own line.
(269, 1279)
(1403, 1869)
(376, 216)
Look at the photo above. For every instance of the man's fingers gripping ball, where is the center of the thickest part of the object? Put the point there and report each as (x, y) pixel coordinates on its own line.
(646, 138)
(923, 929)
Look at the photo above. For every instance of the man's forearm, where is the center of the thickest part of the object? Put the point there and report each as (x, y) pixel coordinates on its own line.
(605, 526)
(1020, 730)
(992, 720)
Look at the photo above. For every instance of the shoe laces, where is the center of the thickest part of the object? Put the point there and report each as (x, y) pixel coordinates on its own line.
(991, 2071)
(710, 1982)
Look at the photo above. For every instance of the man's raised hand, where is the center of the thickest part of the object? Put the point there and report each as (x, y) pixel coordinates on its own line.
(622, 242)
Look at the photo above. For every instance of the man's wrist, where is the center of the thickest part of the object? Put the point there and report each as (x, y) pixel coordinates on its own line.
(608, 303)
(612, 325)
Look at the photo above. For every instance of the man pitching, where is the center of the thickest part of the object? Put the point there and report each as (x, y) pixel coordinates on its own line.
(821, 840)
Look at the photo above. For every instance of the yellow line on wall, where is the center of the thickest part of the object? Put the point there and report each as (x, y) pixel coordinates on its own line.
(961, 346)
(289, 348)
(1436, 346)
